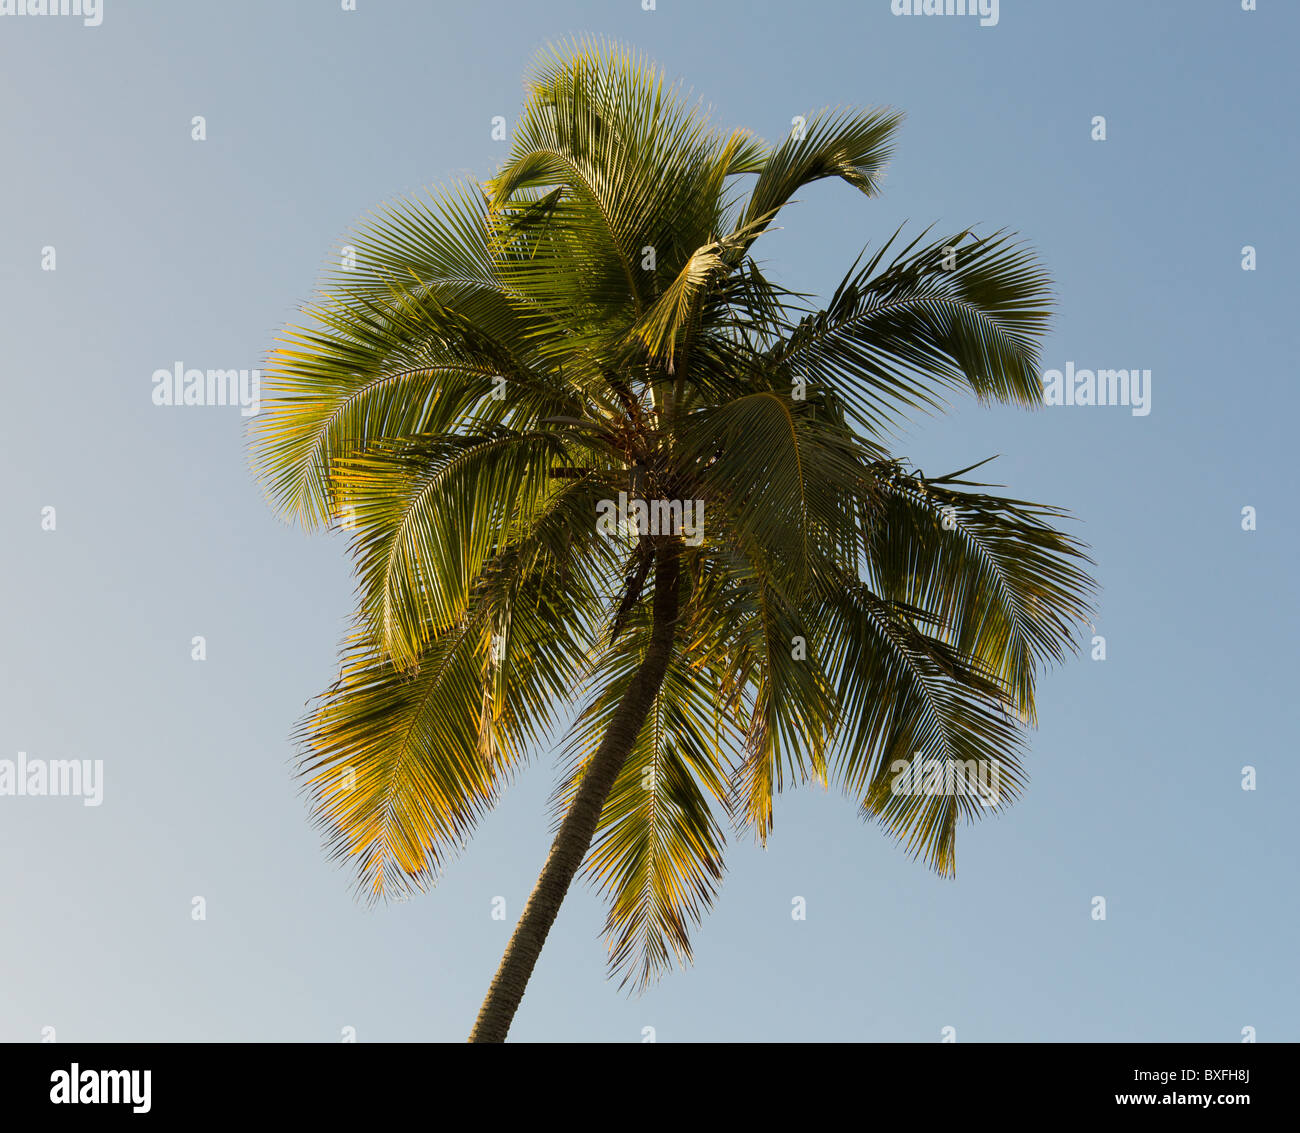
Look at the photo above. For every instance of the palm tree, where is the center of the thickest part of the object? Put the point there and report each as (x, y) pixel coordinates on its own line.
(505, 361)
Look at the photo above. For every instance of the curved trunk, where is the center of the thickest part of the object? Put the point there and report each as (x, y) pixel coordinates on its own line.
(573, 839)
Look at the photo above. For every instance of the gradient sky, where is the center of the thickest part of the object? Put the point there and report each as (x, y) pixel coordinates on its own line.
(172, 250)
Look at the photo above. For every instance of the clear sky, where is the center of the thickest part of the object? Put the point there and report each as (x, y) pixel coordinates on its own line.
(171, 250)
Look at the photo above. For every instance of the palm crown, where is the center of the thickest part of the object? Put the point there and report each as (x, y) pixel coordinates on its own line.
(503, 359)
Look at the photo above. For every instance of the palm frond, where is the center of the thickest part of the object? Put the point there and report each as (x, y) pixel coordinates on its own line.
(964, 312)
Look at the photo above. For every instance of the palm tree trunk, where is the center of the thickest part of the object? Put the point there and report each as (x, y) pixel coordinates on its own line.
(573, 839)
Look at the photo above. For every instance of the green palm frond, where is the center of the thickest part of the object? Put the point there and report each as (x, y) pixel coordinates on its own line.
(909, 695)
(396, 763)
(1006, 587)
(854, 145)
(959, 313)
(429, 513)
(658, 853)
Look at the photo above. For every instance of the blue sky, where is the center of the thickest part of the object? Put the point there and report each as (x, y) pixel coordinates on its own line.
(170, 249)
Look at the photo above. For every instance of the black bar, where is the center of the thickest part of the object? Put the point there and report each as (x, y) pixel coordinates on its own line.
(371, 1080)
